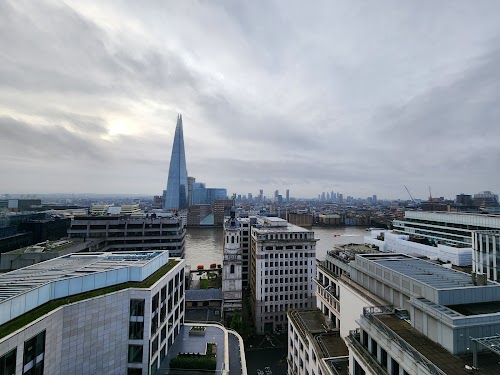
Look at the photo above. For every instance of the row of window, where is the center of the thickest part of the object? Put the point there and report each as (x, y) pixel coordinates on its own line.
(33, 358)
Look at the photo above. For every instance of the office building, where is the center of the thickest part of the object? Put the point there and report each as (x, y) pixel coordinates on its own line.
(485, 199)
(486, 254)
(221, 209)
(176, 195)
(208, 195)
(124, 232)
(401, 315)
(287, 196)
(282, 267)
(92, 313)
(449, 230)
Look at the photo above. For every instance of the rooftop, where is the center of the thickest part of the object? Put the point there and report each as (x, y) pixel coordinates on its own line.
(312, 322)
(436, 354)
(26, 288)
(422, 271)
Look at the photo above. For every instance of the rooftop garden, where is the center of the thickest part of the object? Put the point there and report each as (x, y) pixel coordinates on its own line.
(22, 320)
(197, 361)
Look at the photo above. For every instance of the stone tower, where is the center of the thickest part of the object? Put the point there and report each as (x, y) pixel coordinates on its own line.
(232, 290)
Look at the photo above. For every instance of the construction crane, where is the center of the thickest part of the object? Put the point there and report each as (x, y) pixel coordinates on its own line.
(413, 200)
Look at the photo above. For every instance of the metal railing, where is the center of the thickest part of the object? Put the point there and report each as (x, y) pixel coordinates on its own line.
(370, 314)
(353, 339)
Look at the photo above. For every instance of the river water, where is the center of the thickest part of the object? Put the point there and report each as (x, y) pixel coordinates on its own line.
(205, 245)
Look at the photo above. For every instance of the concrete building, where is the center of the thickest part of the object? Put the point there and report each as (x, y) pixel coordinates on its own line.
(93, 313)
(132, 233)
(450, 228)
(282, 267)
(403, 315)
(486, 254)
(447, 235)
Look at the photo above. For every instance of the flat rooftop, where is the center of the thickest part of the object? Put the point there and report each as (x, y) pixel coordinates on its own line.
(29, 278)
(435, 353)
(313, 322)
(424, 272)
(26, 289)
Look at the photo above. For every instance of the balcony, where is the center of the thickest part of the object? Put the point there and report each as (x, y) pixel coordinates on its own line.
(328, 295)
(353, 340)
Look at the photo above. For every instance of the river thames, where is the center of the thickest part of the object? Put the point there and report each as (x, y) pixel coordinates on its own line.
(205, 245)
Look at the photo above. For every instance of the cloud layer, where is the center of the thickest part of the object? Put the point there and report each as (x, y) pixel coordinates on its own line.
(357, 98)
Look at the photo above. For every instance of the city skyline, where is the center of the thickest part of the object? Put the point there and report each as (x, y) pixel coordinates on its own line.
(359, 99)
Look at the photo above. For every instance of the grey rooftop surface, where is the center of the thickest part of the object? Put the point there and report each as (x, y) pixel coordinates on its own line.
(427, 273)
(203, 295)
(74, 265)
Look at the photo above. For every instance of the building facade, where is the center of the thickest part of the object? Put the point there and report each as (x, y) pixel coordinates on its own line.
(283, 265)
(176, 195)
(109, 313)
(403, 315)
(232, 289)
(124, 232)
(486, 254)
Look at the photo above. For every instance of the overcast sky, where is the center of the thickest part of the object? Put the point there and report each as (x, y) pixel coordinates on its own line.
(357, 97)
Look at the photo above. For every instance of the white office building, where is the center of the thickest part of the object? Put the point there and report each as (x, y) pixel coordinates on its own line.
(283, 266)
(92, 313)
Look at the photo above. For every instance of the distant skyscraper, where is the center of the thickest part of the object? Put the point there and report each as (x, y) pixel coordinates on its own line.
(287, 196)
(176, 195)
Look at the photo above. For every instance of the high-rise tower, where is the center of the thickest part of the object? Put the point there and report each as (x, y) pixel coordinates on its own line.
(176, 195)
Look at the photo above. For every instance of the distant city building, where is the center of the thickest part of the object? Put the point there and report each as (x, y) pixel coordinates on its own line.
(208, 195)
(110, 209)
(200, 215)
(485, 199)
(282, 268)
(191, 182)
(125, 233)
(19, 205)
(158, 202)
(221, 209)
(176, 195)
(287, 196)
(108, 313)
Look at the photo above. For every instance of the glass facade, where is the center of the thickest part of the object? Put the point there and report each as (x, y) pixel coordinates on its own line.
(208, 195)
(176, 195)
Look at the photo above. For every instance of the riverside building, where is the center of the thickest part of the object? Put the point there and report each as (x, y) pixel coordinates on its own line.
(92, 313)
(176, 195)
(125, 233)
(282, 268)
(401, 315)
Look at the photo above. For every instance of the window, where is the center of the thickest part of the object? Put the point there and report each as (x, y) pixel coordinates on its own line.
(155, 302)
(134, 371)
(34, 349)
(135, 354)
(136, 307)
(232, 268)
(8, 363)
(136, 330)
(154, 367)
(154, 345)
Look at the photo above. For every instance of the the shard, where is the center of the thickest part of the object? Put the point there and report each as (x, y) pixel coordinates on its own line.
(176, 195)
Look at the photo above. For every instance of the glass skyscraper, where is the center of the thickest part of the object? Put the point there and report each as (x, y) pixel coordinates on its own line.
(176, 195)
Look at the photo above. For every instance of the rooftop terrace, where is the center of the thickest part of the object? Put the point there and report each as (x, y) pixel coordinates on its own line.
(25, 289)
